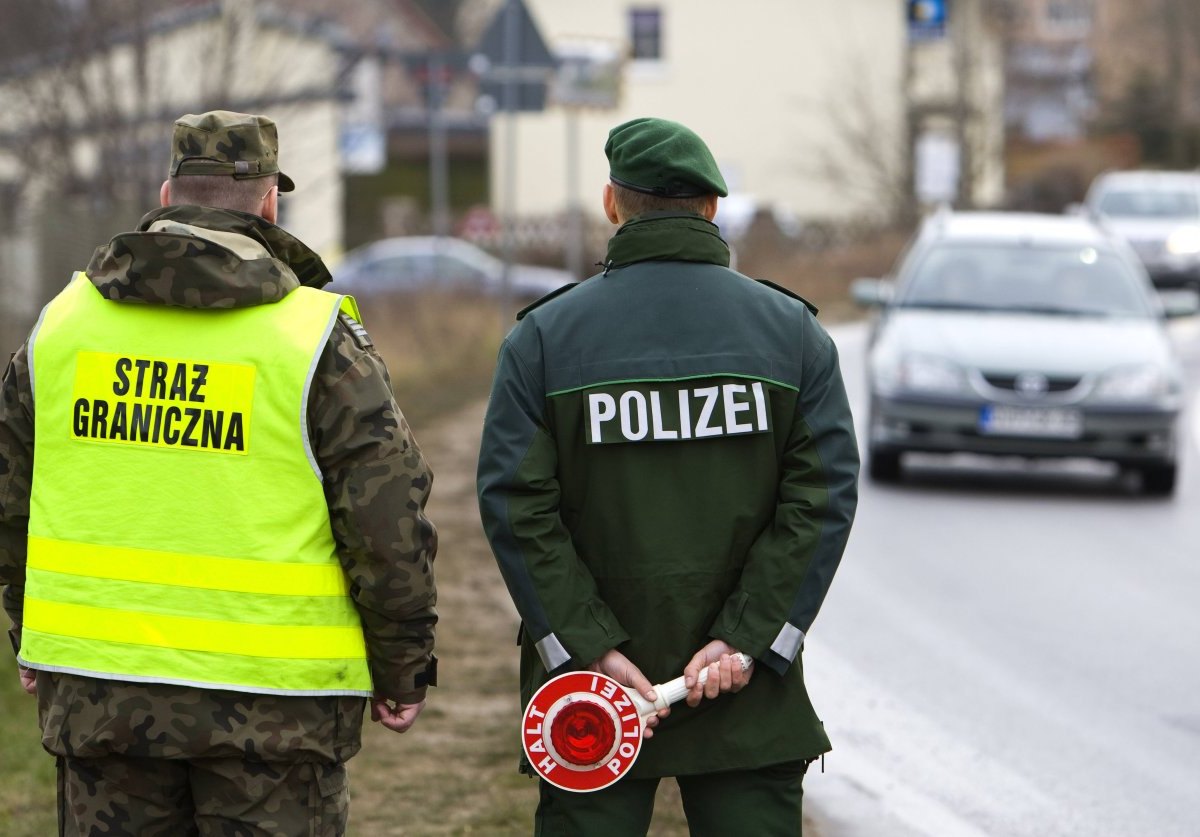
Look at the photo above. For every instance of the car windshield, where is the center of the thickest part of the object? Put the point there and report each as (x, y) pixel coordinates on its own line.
(1154, 203)
(1067, 281)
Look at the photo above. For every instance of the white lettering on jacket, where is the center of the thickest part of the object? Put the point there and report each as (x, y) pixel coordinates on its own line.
(642, 415)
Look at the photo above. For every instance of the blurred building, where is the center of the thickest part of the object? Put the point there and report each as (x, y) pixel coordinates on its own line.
(409, 117)
(1050, 66)
(1080, 67)
(89, 99)
(1147, 76)
(1094, 85)
(807, 107)
(772, 86)
(955, 102)
(85, 142)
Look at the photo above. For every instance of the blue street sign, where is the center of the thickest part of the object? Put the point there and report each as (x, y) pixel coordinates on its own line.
(926, 19)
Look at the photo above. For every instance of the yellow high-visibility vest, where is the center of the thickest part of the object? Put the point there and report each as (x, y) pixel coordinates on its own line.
(178, 529)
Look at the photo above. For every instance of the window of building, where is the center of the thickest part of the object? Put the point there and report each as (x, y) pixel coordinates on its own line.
(645, 33)
(1071, 17)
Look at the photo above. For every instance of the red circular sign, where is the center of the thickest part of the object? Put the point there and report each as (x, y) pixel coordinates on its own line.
(581, 731)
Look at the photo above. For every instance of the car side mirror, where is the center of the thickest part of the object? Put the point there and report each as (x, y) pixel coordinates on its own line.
(1179, 303)
(871, 293)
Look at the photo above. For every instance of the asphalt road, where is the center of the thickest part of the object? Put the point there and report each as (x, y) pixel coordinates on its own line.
(1013, 651)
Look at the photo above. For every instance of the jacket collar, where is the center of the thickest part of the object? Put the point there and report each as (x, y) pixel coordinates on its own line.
(202, 257)
(666, 236)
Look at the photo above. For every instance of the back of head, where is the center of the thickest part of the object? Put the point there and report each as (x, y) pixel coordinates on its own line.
(660, 165)
(225, 159)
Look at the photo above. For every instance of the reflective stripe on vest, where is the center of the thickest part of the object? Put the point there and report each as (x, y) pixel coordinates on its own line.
(178, 528)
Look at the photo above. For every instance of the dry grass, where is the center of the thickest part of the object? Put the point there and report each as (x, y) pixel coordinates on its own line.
(27, 807)
(440, 348)
(822, 276)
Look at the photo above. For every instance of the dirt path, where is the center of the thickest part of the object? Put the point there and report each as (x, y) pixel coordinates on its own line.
(455, 772)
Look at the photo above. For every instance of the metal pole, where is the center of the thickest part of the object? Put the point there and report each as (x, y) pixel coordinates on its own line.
(574, 204)
(439, 177)
(1173, 82)
(511, 51)
(960, 30)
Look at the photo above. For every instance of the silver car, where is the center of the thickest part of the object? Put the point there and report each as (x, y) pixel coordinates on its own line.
(1027, 335)
(1158, 214)
(426, 262)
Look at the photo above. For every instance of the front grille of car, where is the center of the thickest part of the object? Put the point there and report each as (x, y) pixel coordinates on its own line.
(1053, 385)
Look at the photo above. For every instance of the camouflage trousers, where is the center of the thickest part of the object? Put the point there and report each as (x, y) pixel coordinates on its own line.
(117, 795)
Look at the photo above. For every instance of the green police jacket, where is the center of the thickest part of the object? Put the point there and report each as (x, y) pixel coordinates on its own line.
(669, 457)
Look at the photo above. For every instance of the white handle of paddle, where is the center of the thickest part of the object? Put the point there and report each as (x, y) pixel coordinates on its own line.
(674, 691)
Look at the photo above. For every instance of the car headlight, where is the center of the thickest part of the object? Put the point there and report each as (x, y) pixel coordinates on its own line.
(921, 373)
(1144, 382)
(1184, 241)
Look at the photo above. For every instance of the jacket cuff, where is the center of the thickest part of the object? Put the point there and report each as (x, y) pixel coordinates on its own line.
(768, 655)
(409, 698)
(407, 687)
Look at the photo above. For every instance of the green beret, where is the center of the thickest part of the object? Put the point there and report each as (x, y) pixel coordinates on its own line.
(222, 142)
(663, 158)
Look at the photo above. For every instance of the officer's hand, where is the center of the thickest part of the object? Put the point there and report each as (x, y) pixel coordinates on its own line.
(724, 673)
(396, 717)
(620, 668)
(28, 679)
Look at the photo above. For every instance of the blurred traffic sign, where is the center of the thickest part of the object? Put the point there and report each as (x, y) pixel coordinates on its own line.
(363, 148)
(589, 74)
(926, 19)
(512, 50)
(938, 164)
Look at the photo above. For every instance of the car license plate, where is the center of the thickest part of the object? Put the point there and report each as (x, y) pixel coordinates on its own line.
(1043, 422)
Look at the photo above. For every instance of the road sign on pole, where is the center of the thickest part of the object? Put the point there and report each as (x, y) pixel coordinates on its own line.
(513, 52)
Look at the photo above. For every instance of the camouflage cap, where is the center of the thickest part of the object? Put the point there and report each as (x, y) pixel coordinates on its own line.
(663, 158)
(222, 142)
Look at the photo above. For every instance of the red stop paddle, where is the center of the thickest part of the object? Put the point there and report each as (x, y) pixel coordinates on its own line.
(582, 730)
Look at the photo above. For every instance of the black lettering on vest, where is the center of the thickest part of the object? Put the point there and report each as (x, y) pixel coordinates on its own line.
(99, 419)
(142, 366)
(179, 383)
(210, 436)
(119, 427)
(193, 414)
(139, 423)
(158, 380)
(121, 385)
(199, 379)
(235, 438)
(81, 417)
(170, 416)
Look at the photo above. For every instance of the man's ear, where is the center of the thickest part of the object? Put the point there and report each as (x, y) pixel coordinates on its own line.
(610, 204)
(270, 205)
(710, 207)
(164, 193)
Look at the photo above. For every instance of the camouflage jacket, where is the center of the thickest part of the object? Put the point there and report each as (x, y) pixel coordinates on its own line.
(376, 483)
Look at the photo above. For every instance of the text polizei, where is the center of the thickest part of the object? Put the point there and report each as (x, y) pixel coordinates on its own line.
(676, 412)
